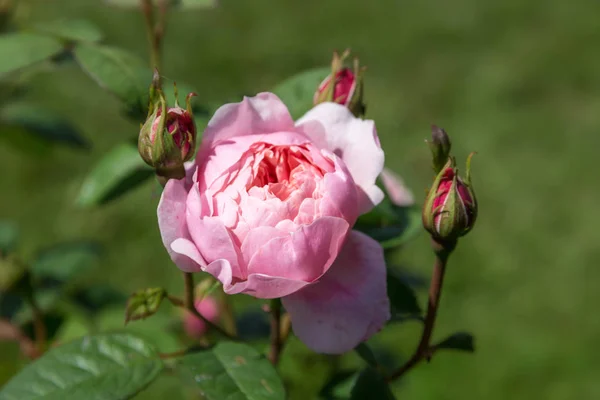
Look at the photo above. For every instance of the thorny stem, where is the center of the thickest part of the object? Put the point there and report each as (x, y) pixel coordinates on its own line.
(276, 337)
(424, 349)
(188, 304)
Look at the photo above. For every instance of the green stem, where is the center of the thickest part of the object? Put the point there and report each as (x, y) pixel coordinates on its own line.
(276, 337)
(424, 350)
(39, 327)
(188, 304)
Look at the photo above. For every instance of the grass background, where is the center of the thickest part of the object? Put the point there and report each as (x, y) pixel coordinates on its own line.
(517, 81)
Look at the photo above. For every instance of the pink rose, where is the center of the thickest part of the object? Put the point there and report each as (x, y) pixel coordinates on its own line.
(268, 208)
(194, 326)
(399, 194)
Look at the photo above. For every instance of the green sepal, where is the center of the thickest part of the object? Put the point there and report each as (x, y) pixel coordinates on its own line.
(144, 303)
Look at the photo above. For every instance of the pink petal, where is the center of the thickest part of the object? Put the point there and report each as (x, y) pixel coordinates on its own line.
(348, 304)
(399, 194)
(172, 223)
(354, 140)
(257, 285)
(303, 255)
(263, 113)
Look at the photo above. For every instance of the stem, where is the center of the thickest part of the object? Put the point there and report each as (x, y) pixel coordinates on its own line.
(276, 337)
(188, 304)
(424, 350)
(38, 324)
(148, 12)
(227, 314)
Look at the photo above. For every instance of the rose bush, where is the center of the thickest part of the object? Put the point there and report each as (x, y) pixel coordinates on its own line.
(268, 208)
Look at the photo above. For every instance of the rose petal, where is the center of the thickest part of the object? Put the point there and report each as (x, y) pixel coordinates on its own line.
(348, 304)
(172, 223)
(263, 113)
(303, 255)
(354, 140)
(257, 285)
(399, 194)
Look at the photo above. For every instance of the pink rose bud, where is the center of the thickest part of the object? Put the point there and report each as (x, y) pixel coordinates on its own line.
(196, 328)
(344, 86)
(450, 208)
(168, 137)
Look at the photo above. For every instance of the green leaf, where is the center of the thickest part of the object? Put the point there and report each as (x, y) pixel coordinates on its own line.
(365, 352)
(144, 303)
(117, 71)
(102, 367)
(94, 298)
(297, 92)
(20, 50)
(371, 385)
(9, 233)
(340, 385)
(463, 341)
(390, 225)
(42, 122)
(233, 371)
(77, 30)
(63, 261)
(403, 299)
(119, 171)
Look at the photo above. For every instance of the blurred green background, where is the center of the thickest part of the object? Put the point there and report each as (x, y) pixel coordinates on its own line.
(517, 81)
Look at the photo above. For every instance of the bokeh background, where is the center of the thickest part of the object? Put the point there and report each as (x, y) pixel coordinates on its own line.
(517, 81)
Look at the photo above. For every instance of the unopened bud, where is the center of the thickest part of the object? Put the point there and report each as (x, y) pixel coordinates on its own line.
(194, 327)
(440, 147)
(343, 86)
(450, 208)
(168, 137)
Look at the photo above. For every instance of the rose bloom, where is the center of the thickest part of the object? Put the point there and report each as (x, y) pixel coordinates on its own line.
(268, 207)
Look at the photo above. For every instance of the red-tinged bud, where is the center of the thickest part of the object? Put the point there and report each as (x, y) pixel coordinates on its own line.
(450, 208)
(344, 85)
(168, 137)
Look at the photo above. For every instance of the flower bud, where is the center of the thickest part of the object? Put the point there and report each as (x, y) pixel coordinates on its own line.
(450, 208)
(193, 326)
(344, 85)
(440, 147)
(168, 137)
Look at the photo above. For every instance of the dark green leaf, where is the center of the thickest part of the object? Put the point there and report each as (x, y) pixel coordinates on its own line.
(117, 71)
(95, 298)
(144, 303)
(119, 171)
(20, 50)
(42, 122)
(365, 352)
(77, 30)
(463, 341)
(63, 261)
(52, 323)
(233, 371)
(403, 299)
(102, 367)
(339, 386)
(371, 385)
(297, 92)
(9, 233)
(391, 225)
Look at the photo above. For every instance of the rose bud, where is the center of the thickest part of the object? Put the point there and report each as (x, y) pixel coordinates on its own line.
(440, 147)
(450, 208)
(193, 326)
(344, 86)
(168, 137)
